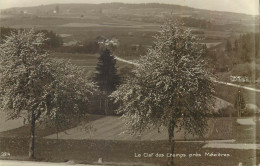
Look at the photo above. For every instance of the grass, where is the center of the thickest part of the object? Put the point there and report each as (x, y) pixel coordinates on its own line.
(112, 128)
(9, 124)
(90, 27)
(229, 93)
(224, 92)
(124, 152)
(88, 61)
(45, 129)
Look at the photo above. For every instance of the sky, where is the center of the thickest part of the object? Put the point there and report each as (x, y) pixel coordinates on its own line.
(238, 6)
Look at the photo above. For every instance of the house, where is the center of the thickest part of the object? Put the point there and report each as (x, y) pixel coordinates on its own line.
(103, 41)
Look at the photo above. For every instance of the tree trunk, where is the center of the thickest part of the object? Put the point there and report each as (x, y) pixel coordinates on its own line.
(31, 144)
(171, 141)
(100, 103)
(106, 106)
(57, 127)
(57, 135)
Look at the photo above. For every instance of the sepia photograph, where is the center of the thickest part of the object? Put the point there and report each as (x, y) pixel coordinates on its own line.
(129, 83)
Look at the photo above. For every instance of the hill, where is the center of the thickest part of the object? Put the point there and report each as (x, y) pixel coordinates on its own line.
(144, 9)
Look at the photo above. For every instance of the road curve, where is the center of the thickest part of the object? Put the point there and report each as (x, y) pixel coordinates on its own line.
(219, 82)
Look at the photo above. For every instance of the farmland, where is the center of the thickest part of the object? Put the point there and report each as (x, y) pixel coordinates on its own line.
(130, 24)
(87, 61)
(103, 136)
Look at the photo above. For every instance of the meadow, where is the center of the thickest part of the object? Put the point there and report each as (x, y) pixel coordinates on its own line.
(90, 27)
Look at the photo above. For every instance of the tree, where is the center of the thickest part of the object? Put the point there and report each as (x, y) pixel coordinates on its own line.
(68, 94)
(53, 39)
(170, 87)
(240, 103)
(106, 76)
(35, 87)
(236, 45)
(228, 46)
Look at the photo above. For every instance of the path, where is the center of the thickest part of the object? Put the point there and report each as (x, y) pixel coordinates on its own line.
(219, 82)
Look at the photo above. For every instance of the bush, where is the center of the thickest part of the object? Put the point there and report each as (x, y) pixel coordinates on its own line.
(226, 112)
(250, 110)
(246, 69)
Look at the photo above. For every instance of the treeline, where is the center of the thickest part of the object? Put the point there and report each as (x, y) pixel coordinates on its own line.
(126, 50)
(89, 47)
(198, 23)
(54, 40)
(188, 21)
(237, 55)
(246, 47)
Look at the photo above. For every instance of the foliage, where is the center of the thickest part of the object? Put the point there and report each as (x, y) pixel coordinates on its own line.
(246, 69)
(89, 47)
(125, 50)
(238, 53)
(170, 87)
(228, 46)
(5, 32)
(54, 40)
(199, 23)
(228, 111)
(35, 87)
(250, 110)
(69, 92)
(106, 77)
(246, 47)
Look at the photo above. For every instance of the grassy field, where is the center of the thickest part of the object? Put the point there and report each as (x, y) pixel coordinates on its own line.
(87, 61)
(43, 129)
(88, 28)
(6, 124)
(229, 93)
(112, 128)
(123, 152)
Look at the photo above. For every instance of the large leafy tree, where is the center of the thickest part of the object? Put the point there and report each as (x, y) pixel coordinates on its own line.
(35, 87)
(170, 87)
(106, 76)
